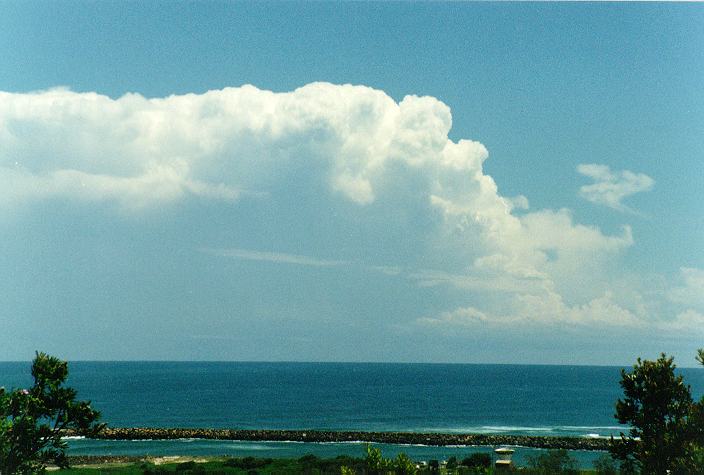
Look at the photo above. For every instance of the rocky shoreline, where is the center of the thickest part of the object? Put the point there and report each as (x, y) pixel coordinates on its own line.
(414, 438)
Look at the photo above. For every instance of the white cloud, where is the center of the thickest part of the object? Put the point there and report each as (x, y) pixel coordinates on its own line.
(611, 187)
(689, 321)
(691, 293)
(461, 317)
(479, 281)
(388, 270)
(275, 257)
(357, 148)
(542, 309)
(555, 230)
(140, 151)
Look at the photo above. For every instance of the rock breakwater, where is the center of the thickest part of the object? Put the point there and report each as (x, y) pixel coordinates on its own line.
(414, 438)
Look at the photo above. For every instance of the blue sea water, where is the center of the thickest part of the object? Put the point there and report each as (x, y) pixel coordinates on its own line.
(501, 399)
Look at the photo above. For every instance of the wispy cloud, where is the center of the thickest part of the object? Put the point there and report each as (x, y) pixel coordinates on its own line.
(477, 281)
(387, 270)
(275, 257)
(611, 187)
(462, 317)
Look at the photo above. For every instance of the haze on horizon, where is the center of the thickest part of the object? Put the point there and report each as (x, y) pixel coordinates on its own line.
(472, 182)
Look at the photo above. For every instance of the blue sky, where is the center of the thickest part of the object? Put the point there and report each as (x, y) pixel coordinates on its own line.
(442, 182)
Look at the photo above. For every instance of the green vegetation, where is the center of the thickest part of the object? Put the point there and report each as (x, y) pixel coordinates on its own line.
(605, 465)
(375, 464)
(308, 464)
(478, 461)
(551, 462)
(31, 420)
(667, 426)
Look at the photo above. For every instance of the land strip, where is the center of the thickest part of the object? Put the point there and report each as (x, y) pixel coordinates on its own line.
(414, 438)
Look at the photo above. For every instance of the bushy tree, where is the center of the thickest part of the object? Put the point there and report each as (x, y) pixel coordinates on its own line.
(605, 465)
(378, 465)
(403, 465)
(32, 420)
(374, 462)
(553, 462)
(663, 417)
(477, 460)
(693, 460)
(452, 463)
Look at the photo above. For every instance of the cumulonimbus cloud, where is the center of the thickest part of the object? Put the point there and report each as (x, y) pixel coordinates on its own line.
(611, 187)
(138, 151)
(358, 144)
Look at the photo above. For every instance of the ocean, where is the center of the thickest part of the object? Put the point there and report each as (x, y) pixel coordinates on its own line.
(497, 399)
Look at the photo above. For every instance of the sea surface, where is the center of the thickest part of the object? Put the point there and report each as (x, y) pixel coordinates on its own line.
(493, 399)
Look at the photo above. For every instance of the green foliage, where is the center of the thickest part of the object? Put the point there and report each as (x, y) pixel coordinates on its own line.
(452, 463)
(477, 460)
(190, 468)
(553, 462)
(247, 463)
(332, 466)
(693, 459)
(605, 465)
(658, 406)
(309, 459)
(377, 465)
(32, 420)
(403, 465)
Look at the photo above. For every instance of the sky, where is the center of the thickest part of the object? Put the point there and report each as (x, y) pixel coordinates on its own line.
(329, 181)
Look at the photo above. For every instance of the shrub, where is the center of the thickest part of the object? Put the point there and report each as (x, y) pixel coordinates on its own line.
(334, 465)
(247, 463)
(190, 467)
(403, 465)
(375, 463)
(434, 465)
(478, 460)
(553, 462)
(605, 465)
(309, 459)
(452, 463)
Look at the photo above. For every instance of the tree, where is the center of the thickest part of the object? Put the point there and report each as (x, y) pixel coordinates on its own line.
(403, 465)
(605, 465)
(452, 463)
(693, 461)
(478, 460)
(553, 462)
(33, 420)
(658, 406)
(377, 465)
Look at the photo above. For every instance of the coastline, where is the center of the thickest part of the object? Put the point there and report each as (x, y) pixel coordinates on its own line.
(404, 438)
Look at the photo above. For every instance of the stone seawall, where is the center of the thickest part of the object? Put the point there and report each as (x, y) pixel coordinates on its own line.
(543, 442)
